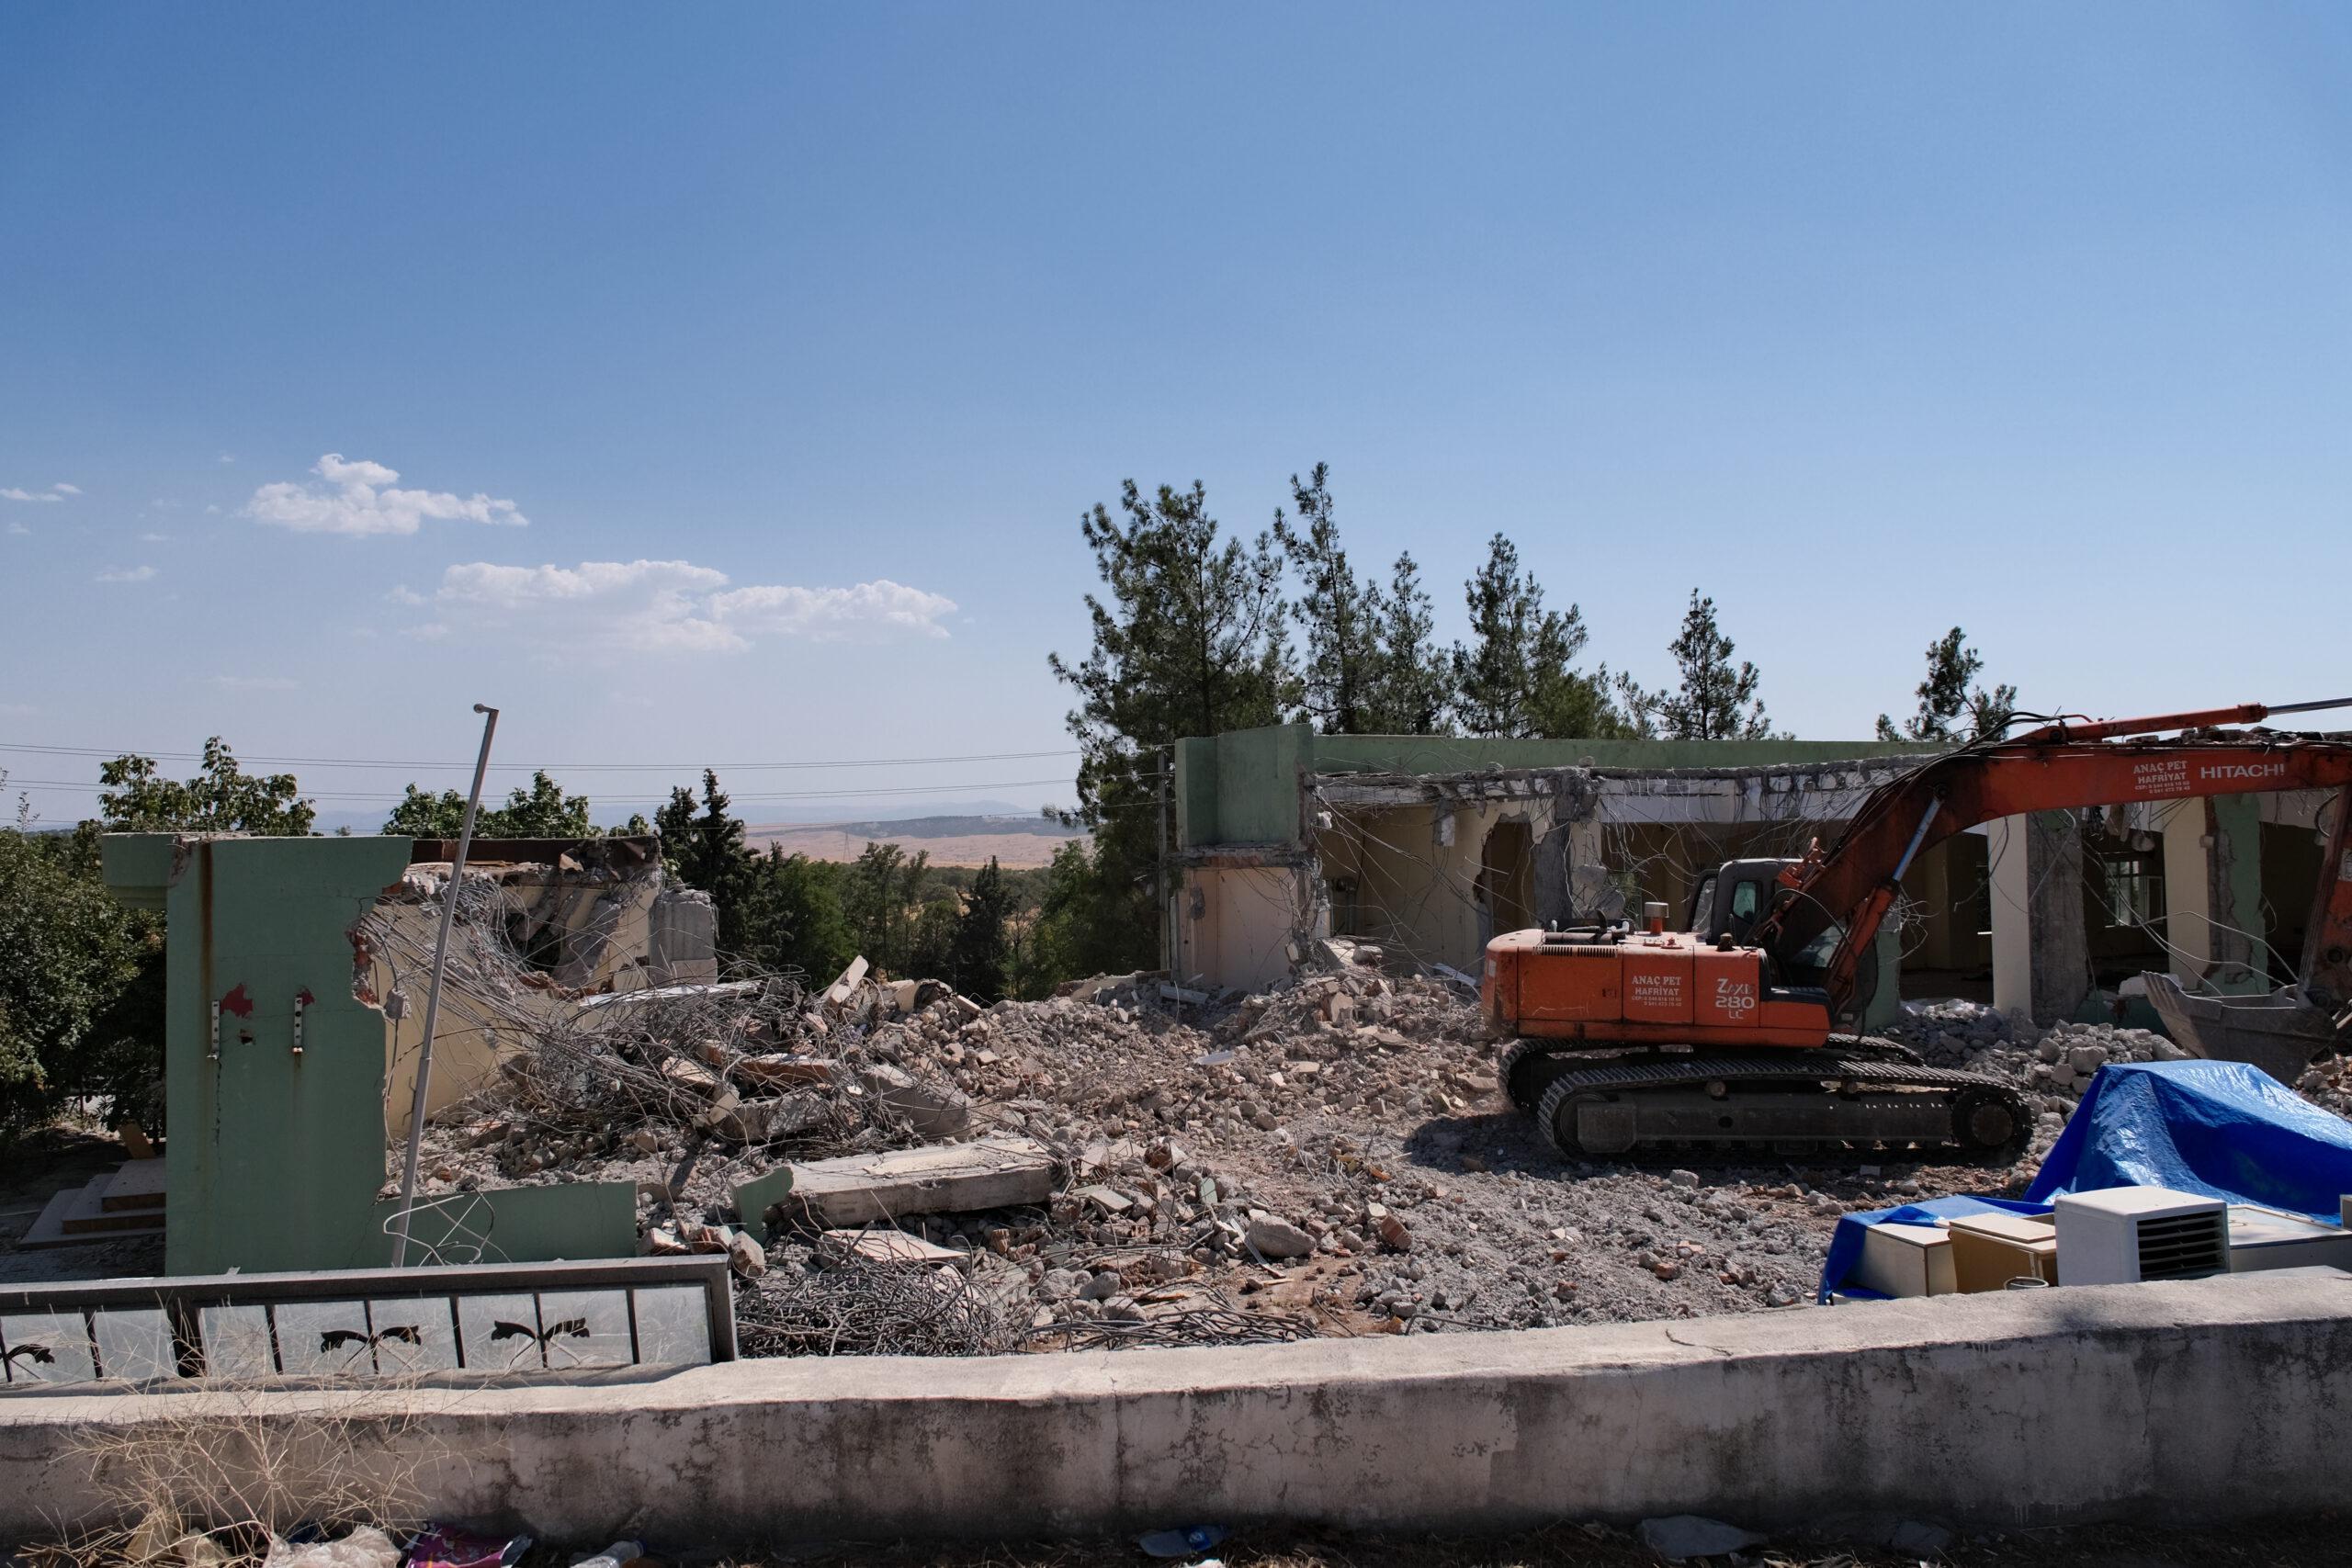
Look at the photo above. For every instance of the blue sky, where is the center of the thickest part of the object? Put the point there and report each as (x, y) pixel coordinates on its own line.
(1864, 320)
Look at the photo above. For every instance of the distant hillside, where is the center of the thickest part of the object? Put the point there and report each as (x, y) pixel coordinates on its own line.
(950, 841)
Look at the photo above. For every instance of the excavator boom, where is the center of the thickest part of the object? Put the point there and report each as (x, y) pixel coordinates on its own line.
(2054, 768)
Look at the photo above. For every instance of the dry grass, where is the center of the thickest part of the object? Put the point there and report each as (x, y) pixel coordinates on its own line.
(214, 1481)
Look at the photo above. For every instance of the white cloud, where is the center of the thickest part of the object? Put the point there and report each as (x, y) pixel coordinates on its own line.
(431, 631)
(675, 605)
(62, 489)
(212, 511)
(155, 538)
(16, 492)
(403, 593)
(227, 457)
(828, 614)
(17, 710)
(255, 682)
(19, 529)
(356, 498)
(129, 574)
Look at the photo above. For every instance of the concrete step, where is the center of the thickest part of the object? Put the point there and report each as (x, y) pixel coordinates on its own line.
(78, 1216)
(139, 1184)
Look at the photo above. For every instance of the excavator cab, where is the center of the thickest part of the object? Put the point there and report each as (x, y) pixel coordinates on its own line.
(1731, 900)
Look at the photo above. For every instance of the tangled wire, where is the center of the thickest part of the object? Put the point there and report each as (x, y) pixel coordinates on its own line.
(1191, 1327)
(857, 1307)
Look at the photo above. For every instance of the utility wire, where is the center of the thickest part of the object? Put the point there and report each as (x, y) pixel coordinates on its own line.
(110, 753)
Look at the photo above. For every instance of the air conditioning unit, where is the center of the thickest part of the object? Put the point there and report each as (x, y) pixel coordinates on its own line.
(2125, 1235)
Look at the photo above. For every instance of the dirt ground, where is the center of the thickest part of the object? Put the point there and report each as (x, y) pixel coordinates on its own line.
(2272, 1544)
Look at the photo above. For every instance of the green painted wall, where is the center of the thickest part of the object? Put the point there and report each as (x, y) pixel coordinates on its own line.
(274, 1158)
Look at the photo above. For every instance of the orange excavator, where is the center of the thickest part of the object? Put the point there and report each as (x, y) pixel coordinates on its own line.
(1722, 1033)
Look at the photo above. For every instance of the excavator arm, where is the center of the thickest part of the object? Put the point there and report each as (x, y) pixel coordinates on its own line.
(2055, 768)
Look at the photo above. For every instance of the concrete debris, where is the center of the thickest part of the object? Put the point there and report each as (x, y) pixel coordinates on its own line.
(863, 1190)
(1119, 1163)
(1273, 1237)
(885, 1247)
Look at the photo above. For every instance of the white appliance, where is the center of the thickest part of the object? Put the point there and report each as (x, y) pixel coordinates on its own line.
(2125, 1235)
(2264, 1238)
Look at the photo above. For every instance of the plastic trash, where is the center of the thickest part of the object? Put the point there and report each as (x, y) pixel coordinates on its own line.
(1182, 1542)
(617, 1555)
(365, 1547)
(442, 1546)
(1680, 1536)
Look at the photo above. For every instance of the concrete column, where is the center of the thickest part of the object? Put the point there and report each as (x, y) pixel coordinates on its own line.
(2041, 948)
(2213, 892)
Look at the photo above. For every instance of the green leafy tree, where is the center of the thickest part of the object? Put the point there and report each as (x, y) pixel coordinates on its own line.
(1075, 931)
(881, 895)
(222, 799)
(1714, 699)
(1948, 709)
(1516, 677)
(80, 986)
(1340, 614)
(930, 943)
(540, 811)
(1188, 639)
(980, 956)
(1415, 683)
(793, 918)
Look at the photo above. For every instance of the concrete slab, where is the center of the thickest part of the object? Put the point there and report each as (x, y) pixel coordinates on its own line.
(864, 1190)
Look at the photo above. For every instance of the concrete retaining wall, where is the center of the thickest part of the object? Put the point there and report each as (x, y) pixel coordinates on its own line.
(2182, 1401)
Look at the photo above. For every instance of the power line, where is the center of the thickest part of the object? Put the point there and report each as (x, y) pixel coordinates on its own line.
(110, 753)
(11, 785)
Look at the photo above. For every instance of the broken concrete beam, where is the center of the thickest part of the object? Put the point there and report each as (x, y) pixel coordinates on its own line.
(1179, 994)
(863, 1190)
(932, 1109)
(887, 1247)
(776, 1068)
(845, 984)
(688, 1074)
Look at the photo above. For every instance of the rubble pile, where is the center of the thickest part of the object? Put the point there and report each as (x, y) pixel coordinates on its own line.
(2054, 1065)
(1332, 1155)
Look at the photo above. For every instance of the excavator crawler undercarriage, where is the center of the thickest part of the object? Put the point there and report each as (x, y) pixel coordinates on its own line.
(1850, 1093)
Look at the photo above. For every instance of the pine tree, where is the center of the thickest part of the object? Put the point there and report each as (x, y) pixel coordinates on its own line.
(1340, 614)
(1715, 700)
(1415, 674)
(1188, 640)
(1516, 677)
(980, 954)
(1944, 696)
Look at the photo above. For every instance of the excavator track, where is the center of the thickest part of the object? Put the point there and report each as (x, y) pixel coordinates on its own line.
(1859, 1092)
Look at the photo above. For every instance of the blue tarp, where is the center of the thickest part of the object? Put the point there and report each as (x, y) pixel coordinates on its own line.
(2223, 1129)
(1846, 1245)
(2218, 1128)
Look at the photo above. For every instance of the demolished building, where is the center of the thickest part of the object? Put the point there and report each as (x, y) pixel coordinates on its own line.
(1430, 845)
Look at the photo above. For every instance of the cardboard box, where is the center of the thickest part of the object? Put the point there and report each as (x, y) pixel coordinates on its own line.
(1905, 1260)
(2264, 1238)
(1990, 1250)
